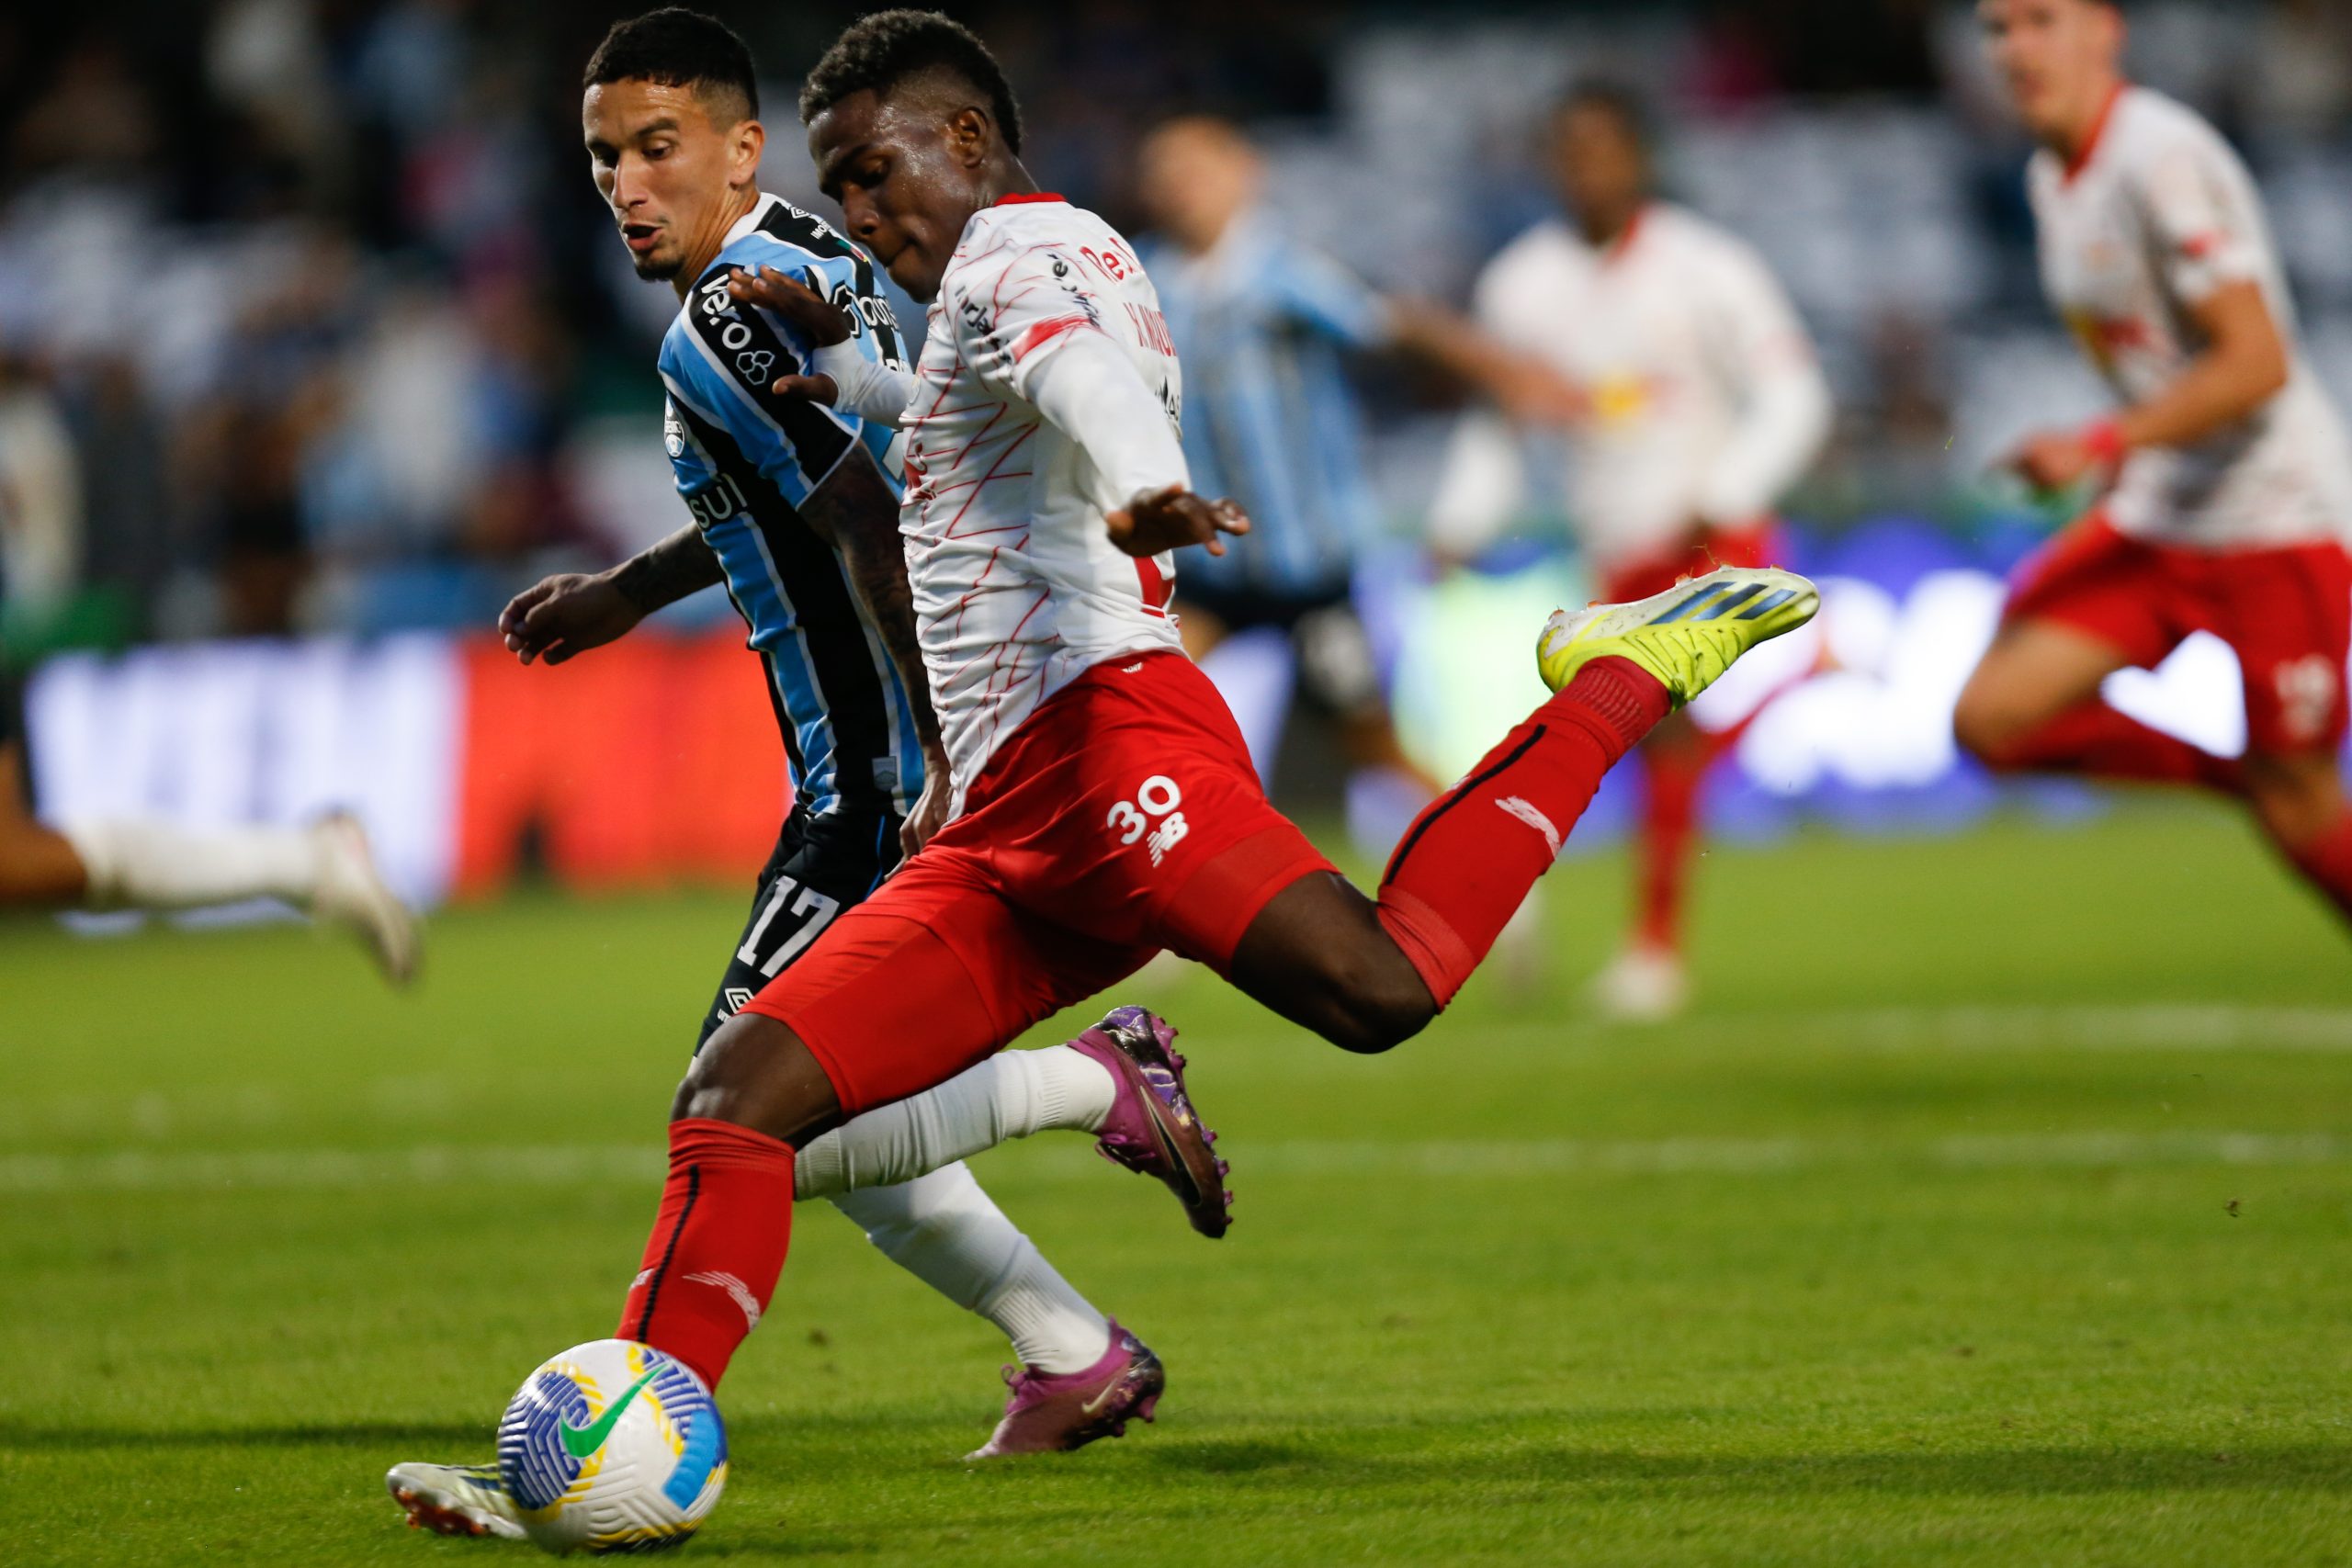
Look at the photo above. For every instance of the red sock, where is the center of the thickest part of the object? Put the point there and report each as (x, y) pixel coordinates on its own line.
(718, 1245)
(1670, 782)
(1455, 880)
(2092, 737)
(2326, 863)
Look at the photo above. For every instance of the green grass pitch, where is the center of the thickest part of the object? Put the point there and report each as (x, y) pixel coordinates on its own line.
(1995, 1207)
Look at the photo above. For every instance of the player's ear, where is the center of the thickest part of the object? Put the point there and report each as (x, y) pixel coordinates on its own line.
(751, 140)
(969, 132)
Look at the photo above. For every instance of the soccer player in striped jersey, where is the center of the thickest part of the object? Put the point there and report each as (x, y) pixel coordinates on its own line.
(796, 513)
(2225, 475)
(1266, 326)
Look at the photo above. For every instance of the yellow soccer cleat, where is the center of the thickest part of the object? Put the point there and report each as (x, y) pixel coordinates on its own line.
(1688, 635)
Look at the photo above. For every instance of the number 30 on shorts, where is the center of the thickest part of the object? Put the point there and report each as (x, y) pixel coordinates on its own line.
(1156, 799)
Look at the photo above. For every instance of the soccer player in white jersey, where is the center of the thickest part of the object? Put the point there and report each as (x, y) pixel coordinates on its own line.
(2224, 475)
(1702, 403)
(1103, 802)
(326, 869)
(1105, 806)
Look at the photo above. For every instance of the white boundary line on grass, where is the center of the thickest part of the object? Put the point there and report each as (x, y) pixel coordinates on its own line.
(251, 1107)
(582, 1165)
(2158, 1026)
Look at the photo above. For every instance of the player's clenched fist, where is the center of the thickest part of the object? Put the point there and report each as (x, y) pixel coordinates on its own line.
(1171, 518)
(566, 614)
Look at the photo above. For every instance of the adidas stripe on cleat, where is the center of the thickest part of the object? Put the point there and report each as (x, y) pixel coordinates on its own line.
(1686, 636)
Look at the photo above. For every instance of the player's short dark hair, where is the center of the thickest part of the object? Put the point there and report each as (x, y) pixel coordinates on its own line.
(1621, 101)
(876, 52)
(677, 47)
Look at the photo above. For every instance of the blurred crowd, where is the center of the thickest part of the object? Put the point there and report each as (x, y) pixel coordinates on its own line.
(310, 321)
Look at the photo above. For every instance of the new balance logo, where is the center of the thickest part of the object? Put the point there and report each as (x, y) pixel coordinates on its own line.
(735, 1288)
(1515, 806)
(2306, 689)
(1170, 833)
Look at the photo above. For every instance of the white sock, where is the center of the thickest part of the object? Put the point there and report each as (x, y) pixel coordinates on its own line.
(141, 864)
(1010, 1095)
(948, 1233)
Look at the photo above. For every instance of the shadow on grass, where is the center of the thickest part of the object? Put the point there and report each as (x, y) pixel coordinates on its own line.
(1426, 1462)
(455, 1437)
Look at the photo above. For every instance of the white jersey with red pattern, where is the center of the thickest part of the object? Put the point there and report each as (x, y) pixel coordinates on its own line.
(2151, 221)
(1705, 401)
(1018, 590)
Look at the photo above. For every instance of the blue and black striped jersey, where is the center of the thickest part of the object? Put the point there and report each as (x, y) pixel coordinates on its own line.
(1264, 324)
(746, 459)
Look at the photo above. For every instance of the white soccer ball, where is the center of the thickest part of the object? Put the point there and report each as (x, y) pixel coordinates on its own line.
(611, 1446)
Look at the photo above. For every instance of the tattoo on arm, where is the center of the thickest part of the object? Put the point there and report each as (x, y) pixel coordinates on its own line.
(856, 511)
(667, 573)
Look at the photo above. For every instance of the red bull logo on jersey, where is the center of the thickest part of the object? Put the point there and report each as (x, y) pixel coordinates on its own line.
(2105, 337)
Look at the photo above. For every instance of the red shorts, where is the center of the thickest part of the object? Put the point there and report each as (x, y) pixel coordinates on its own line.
(2286, 611)
(1757, 544)
(1122, 816)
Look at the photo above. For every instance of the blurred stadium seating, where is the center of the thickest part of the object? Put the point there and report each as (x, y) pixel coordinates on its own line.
(311, 323)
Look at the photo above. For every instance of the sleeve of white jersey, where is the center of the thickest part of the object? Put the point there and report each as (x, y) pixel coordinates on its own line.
(1015, 310)
(1033, 329)
(1482, 486)
(1484, 482)
(1090, 391)
(1784, 403)
(2202, 236)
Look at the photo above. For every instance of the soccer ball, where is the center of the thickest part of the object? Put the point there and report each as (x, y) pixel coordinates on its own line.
(611, 1446)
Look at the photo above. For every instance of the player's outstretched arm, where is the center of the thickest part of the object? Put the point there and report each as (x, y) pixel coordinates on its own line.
(1090, 391)
(1525, 389)
(837, 375)
(561, 616)
(2245, 364)
(856, 511)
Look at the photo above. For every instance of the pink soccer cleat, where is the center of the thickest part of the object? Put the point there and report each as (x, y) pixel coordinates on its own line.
(1153, 1128)
(1052, 1413)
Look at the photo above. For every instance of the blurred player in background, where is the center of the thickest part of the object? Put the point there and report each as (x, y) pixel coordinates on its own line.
(2226, 482)
(795, 512)
(1264, 324)
(1106, 807)
(325, 870)
(1701, 404)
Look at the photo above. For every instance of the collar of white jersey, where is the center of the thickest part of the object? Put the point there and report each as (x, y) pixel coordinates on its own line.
(2102, 128)
(751, 220)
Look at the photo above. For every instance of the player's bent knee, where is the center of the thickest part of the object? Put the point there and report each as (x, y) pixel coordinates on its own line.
(755, 1072)
(1988, 728)
(1379, 1007)
(2296, 806)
